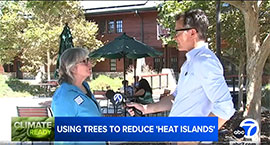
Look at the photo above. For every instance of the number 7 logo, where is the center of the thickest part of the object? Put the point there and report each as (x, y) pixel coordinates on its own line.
(250, 126)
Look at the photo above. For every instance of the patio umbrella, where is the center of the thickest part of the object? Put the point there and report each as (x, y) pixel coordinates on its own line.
(65, 43)
(125, 46)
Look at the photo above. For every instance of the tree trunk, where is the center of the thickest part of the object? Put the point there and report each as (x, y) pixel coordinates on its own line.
(241, 86)
(253, 107)
(48, 65)
(256, 58)
(254, 65)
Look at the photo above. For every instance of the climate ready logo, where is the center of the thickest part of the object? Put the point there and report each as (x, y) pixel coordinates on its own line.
(32, 129)
(250, 126)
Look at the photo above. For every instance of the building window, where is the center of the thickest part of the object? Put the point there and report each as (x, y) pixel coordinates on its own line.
(174, 64)
(111, 26)
(113, 64)
(158, 63)
(8, 68)
(119, 26)
(162, 32)
(102, 27)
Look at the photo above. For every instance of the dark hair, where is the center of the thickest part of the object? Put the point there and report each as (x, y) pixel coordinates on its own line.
(143, 84)
(125, 82)
(195, 19)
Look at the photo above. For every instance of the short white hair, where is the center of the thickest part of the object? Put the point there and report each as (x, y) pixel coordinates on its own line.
(68, 60)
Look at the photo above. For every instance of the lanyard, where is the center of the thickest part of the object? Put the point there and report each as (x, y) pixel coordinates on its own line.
(89, 94)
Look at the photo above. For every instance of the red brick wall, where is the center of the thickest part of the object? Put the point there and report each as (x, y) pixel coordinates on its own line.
(1, 69)
(132, 27)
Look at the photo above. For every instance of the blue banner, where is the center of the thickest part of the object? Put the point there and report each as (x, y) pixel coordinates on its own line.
(136, 129)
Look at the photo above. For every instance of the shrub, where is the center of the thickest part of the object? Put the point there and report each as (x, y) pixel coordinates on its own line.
(103, 82)
(10, 87)
(6, 91)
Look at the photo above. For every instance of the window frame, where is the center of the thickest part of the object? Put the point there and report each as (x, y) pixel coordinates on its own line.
(105, 27)
(113, 64)
(109, 26)
(174, 63)
(118, 26)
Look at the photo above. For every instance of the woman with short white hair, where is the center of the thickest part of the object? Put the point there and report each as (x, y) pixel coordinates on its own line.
(74, 98)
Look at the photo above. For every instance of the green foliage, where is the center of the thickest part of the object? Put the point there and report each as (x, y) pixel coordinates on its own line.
(232, 25)
(169, 9)
(233, 33)
(10, 87)
(264, 18)
(11, 25)
(28, 28)
(102, 82)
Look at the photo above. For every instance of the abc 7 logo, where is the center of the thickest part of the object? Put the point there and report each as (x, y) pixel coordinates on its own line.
(239, 132)
(248, 128)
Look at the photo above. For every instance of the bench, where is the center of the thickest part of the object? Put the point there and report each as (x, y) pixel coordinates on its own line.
(34, 111)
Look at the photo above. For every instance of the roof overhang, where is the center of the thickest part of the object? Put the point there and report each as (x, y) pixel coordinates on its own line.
(118, 9)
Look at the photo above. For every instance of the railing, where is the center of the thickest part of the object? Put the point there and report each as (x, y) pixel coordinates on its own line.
(160, 80)
(232, 82)
(49, 86)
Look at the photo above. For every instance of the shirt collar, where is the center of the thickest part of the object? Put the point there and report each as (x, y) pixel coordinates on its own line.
(191, 54)
(75, 88)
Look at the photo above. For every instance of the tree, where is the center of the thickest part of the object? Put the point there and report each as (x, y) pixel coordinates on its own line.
(232, 22)
(256, 16)
(245, 28)
(232, 35)
(43, 22)
(11, 25)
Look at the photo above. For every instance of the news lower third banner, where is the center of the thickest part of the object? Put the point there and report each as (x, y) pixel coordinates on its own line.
(145, 129)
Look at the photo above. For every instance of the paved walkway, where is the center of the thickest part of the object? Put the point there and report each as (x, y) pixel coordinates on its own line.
(8, 110)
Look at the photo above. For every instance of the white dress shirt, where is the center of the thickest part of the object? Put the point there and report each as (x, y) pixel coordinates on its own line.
(201, 87)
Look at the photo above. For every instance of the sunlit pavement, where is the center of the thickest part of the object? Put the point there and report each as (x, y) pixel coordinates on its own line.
(8, 110)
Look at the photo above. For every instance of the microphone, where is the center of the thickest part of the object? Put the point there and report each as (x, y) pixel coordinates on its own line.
(118, 98)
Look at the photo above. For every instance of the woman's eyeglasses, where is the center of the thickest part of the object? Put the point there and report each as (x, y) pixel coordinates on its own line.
(85, 61)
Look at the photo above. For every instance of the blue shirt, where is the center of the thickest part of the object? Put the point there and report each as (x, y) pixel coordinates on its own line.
(70, 101)
(201, 87)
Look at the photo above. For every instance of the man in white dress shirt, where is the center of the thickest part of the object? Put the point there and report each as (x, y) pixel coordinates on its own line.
(201, 88)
